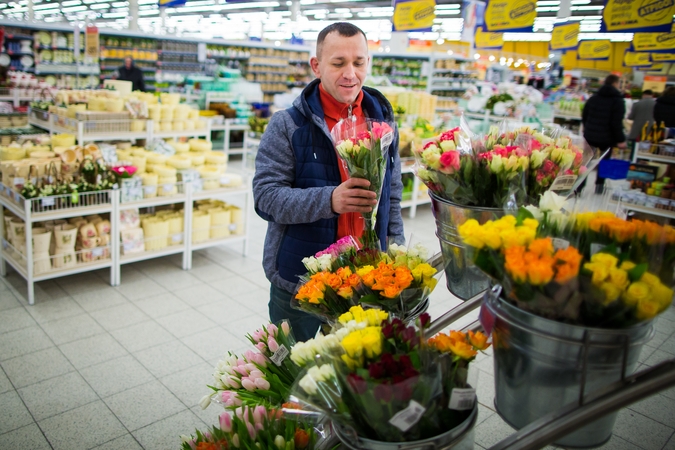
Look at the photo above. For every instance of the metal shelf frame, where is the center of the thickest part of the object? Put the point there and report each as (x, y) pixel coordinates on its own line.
(415, 199)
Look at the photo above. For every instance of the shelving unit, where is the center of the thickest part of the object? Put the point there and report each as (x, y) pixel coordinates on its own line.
(643, 209)
(415, 199)
(108, 202)
(251, 145)
(451, 87)
(227, 127)
(405, 70)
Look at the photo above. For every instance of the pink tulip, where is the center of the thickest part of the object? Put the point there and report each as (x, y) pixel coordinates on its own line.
(251, 430)
(259, 426)
(272, 329)
(286, 328)
(208, 436)
(226, 395)
(231, 382)
(272, 344)
(259, 414)
(241, 370)
(261, 346)
(240, 362)
(226, 422)
(257, 335)
(250, 367)
(256, 374)
(248, 384)
(262, 383)
(259, 359)
(193, 444)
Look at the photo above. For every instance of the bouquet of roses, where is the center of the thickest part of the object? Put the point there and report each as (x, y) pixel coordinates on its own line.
(593, 285)
(363, 145)
(343, 276)
(253, 429)
(258, 378)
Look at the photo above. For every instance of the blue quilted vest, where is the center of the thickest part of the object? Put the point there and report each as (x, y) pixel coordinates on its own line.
(316, 166)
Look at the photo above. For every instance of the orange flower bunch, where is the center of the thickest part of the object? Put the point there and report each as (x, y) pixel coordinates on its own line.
(462, 345)
(387, 279)
(654, 233)
(618, 229)
(538, 263)
(342, 282)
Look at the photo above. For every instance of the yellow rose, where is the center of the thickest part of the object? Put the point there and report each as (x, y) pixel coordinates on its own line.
(430, 283)
(619, 277)
(612, 292)
(600, 272)
(423, 271)
(650, 279)
(491, 238)
(637, 291)
(525, 235)
(663, 295)
(646, 309)
(606, 259)
(509, 238)
(375, 317)
(372, 341)
(364, 270)
(531, 223)
(352, 343)
(627, 265)
(470, 232)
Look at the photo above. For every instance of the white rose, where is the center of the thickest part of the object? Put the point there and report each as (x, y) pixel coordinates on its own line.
(432, 158)
(558, 218)
(536, 212)
(550, 201)
(311, 264)
(497, 164)
(308, 384)
(448, 145)
(325, 262)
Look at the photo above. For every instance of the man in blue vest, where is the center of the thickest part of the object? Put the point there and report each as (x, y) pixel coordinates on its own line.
(302, 190)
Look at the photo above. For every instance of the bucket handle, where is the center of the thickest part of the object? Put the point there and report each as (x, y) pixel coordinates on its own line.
(584, 365)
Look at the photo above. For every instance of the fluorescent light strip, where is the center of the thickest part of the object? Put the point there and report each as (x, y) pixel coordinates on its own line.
(47, 6)
(71, 3)
(75, 9)
(443, 7)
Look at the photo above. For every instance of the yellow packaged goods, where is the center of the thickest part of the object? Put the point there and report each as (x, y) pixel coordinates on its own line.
(166, 189)
(165, 171)
(231, 180)
(180, 147)
(189, 125)
(169, 99)
(193, 114)
(166, 112)
(167, 180)
(150, 191)
(138, 125)
(197, 159)
(149, 179)
(132, 241)
(72, 110)
(155, 112)
(200, 125)
(220, 222)
(139, 162)
(200, 145)
(42, 155)
(179, 161)
(151, 167)
(156, 158)
(209, 173)
(63, 140)
(12, 153)
(178, 125)
(64, 259)
(237, 220)
(216, 158)
(166, 125)
(138, 151)
(96, 104)
(222, 168)
(114, 105)
(210, 185)
(181, 112)
(156, 233)
(125, 155)
(201, 224)
(175, 222)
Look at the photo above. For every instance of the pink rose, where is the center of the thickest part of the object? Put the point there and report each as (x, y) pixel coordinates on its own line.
(582, 170)
(449, 162)
(448, 135)
(380, 129)
(577, 159)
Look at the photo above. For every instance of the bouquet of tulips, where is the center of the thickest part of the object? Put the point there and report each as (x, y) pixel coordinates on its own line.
(262, 377)
(343, 275)
(363, 146)
(252, 429)
(595, 272)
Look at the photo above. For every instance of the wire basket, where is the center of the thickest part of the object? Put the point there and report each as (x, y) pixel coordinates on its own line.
(64, 202)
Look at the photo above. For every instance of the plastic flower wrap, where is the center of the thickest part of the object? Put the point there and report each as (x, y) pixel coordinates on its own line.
(262, 377)
(598, 271)
(381, 380)
(363, 145)
(342, 276)
(253, 428)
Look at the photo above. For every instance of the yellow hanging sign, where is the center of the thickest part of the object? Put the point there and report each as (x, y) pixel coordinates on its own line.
(638, 15)
(655, 83)
(565, 36)
(663, 57)
(633, 59)
(511, 15)
(597, 49)
(569, 60)
(414, 15)
(488, 40)
(643, 42)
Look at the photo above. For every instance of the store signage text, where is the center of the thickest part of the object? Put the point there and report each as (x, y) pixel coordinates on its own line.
(637, 15)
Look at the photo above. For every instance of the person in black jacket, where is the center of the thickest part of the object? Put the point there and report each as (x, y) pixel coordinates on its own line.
(664, 109)
(602, 118)
(129, 72)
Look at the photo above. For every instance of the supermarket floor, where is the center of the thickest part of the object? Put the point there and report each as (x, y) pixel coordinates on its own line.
(92, 366)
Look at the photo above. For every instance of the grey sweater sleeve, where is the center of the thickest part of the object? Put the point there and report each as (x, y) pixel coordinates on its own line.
(276, 199)
(395, 228)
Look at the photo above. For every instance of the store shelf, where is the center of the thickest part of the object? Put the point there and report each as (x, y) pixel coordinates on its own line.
(155, 201)
(26, 37)
(175, 52)
(57, 273)
(566, 116)
(644, 209)
(215, 242)
(142, 256)
(267, 64)
(11, 53)
(128, 48)
(453, 71)
(447, 88)
(222, 192)
(658, 158)
(419, 201)
(184, 64)
(238, 58)
(135, 60)
(179, 134)
(298, 61)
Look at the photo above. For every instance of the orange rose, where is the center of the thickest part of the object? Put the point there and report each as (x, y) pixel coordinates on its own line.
(539, 273)
(478, 340)
(541, 247)
(391, 291)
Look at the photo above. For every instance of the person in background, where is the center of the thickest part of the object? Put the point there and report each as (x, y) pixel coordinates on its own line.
(602, 119)
(664, 109)
(641, 113)
(129, 72)
(301, 188)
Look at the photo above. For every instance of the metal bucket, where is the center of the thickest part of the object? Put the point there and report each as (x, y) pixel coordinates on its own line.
(459, 438)
(542, 365)
(463, 278)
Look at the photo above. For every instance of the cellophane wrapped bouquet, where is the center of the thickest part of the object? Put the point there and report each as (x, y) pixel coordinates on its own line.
(344, 275)
(380, 378)
(585, 268)
(363, 145)
(504, 168)
(253, 428)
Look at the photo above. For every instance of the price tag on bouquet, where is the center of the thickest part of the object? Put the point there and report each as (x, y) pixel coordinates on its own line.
(279, 356)
(560, 244)
(407, 418)
(462, 399)
(563, 183)
(48, 201)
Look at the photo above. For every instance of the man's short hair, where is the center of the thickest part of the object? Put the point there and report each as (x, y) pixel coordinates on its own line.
(343, 29)
(611, 79)
(647, 92)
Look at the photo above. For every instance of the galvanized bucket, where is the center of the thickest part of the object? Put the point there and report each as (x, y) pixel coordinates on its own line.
(463, 278)
(459, 438)
(542, 365)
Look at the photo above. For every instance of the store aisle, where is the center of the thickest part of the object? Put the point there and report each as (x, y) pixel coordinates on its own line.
(92, 366)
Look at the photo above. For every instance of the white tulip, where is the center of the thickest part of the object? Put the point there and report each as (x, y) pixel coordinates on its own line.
(550, 201)
(205, 401)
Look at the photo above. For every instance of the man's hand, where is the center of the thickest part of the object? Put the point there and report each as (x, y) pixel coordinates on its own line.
(621, 145)
(353, 196)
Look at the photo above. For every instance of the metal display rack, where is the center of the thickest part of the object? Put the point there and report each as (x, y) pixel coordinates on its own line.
(228, 126)
(44, 209)
(415, 199)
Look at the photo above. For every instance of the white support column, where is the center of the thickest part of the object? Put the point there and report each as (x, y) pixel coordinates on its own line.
(30, 10)
(133, 15)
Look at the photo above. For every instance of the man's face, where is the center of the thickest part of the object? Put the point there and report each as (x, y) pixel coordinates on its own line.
(342, 65)
(127, 63)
